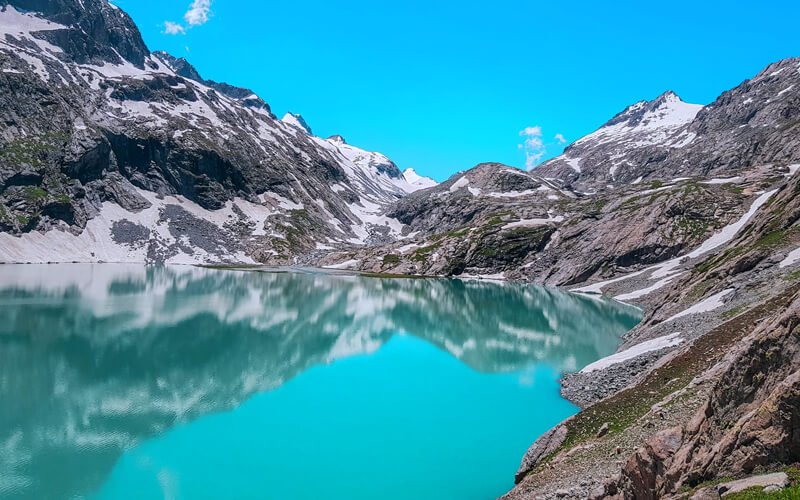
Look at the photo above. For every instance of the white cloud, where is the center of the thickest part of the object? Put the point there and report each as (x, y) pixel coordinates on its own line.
(197, 15)
(536, 130)
(171, 28)
(198, 12)
(533, 146)
(561, 139)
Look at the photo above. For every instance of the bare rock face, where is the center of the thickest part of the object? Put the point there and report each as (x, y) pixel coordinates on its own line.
(94, 31)
(749, 422)
(643, 474)
(547, 444)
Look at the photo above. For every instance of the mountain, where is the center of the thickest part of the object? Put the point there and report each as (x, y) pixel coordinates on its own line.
(110, 152)
(415, 179)
(612, 153)
(114, 153)
(655, 181)
(753, 124)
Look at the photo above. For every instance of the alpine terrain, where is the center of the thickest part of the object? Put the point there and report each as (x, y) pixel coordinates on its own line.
(112, 153)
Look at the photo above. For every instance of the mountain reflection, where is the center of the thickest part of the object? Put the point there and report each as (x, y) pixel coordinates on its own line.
(95, 358)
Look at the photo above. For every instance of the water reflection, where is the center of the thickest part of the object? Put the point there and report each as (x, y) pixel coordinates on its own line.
(94, 358)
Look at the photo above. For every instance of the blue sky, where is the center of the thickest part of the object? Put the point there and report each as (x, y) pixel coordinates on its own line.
(441, 85)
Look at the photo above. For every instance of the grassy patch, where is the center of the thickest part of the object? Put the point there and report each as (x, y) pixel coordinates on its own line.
(422, 254)
(705, 484)
(32, 150)
(34, 194)
(391, 259)
(455, 233)
(757, 493)
(732, 313)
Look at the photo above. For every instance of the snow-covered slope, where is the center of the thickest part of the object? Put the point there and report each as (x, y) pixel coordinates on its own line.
(608, 154)
(418, 181)
(752, 125)
(136, 133)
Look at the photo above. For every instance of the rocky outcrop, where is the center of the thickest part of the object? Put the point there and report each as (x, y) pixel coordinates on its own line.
(89, 32)
(748, 424)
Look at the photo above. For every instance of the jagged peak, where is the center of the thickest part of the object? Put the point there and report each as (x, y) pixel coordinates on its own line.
(412, 177)
(668, 109)
(296, 120)
(97, 31)
(179, 65)
(337, 139)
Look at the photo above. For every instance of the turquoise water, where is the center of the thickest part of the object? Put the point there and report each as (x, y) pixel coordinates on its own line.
(184, 383)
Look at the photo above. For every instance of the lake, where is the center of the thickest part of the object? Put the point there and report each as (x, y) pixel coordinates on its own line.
(141, 382)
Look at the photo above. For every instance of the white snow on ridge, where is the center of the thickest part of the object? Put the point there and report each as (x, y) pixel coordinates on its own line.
(727, 180)
(635, 351)
(573, 163)
(728, 232)
(16, 24)
(709, 304)
(534, 222)
(463, 181)
(668, 268)
(418, 181)
(596, 288)
(95, 242)
(348, 264)
(790, 259)
(291, 119)
(647, 291)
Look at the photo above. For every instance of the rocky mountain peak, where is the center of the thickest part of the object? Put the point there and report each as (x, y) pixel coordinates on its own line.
(92, 31)
(338, 139)
(666, 110)
(179, 65)
(184, 68)
(297, 121)
(413, 178)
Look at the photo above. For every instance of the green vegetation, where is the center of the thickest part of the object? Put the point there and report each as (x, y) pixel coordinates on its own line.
(706, 484)
(34, 194)
(700, 289)
(598, 205)
(732, 313)
(757, 493)
(694, 228)
(391, 259)
(422, 254)
(455, 233)
(733, 188)
(33, 150)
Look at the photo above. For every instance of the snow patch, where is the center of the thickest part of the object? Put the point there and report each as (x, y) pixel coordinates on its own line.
(460, 183)
(707, 305)
(656, 344)
(790, 259)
